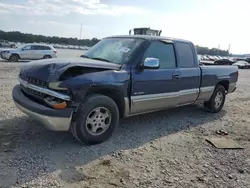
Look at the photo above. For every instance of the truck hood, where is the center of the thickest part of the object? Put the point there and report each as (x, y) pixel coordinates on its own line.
(51, 69)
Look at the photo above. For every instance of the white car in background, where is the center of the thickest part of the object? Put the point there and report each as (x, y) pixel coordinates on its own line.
(5, 43)
(29, 52)
(242, 64)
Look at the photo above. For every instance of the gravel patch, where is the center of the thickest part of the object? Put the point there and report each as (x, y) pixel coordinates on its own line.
(162, 149)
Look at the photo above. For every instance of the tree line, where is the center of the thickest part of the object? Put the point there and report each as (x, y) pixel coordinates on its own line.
(16, 36)
(211, 51)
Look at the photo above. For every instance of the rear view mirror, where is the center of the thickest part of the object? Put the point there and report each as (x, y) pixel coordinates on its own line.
(151, 63)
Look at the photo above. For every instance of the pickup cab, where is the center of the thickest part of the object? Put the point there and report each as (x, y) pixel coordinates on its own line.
(120, 76)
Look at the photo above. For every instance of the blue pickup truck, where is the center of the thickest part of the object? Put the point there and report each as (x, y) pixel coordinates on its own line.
(120, 76)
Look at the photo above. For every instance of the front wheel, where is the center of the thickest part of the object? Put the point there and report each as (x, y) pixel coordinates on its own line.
(216, 102)
(14, 58)
(96, 120)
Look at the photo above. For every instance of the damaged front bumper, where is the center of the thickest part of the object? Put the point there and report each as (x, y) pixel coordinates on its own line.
(53, 119)
(4, 55)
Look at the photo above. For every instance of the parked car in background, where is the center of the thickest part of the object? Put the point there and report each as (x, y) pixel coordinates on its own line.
(29, 52)
(5, 43)
(242, 64)
(247, 60)
(224, 62)
(205, 58)
(120, 76)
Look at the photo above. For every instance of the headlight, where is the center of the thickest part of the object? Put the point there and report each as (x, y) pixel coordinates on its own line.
(55, 85)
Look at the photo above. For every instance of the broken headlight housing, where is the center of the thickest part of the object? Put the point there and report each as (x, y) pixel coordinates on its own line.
(56, 86)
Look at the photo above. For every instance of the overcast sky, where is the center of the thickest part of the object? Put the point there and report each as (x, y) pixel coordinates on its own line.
(205, 22)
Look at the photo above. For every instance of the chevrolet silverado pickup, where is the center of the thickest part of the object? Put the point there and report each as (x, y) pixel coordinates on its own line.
(120, 76)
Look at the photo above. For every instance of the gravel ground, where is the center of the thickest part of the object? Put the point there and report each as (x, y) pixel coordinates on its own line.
(163, 149)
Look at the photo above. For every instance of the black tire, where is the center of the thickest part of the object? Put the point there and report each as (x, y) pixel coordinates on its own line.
(81, 129)
(14, 58)
(47, 57)
(212, 105)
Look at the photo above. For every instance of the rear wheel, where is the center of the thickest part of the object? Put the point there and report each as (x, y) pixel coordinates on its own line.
(47, 57)
(96, 120)
(216, 102)
(14, 58)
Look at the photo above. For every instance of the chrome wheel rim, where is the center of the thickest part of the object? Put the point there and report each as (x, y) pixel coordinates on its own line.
(218, 99)
(98, 121)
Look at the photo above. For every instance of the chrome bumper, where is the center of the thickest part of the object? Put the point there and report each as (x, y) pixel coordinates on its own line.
(51, 123)
(53, 119)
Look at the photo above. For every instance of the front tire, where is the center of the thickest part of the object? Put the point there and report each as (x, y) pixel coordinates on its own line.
(96, 120)
(216, 102)
(14, 58)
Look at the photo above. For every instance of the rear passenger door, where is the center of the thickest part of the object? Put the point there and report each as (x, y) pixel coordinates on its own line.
(154, 89)
(38, 52)
(189, 73)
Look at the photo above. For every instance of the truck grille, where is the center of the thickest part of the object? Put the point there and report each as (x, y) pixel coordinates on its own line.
(34, 81)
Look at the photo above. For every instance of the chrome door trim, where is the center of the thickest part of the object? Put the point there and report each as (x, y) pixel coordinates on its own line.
(188, 96)
(154, 102)
(231, 87)
(150, 97)
(205, 93)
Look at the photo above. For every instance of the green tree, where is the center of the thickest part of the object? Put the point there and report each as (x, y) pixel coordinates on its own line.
(16, 36)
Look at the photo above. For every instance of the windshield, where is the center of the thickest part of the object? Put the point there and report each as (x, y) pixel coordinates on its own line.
(21, 46)
(114, 50)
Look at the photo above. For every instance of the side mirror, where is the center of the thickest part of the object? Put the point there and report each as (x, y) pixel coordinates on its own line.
(151, 63)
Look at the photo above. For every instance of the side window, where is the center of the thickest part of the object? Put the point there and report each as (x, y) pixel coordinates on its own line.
(33, 47)
(37, 47)
(27, 47)
(162, 51)
(186, 56)
(46, 48)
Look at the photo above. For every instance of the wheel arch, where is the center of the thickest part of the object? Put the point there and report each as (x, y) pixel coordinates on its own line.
(47, 55)
(116, 95)
(224, 83)
(16, 54)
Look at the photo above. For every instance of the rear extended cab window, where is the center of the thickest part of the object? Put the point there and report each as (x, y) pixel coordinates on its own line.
(185, 54)
(162, 51)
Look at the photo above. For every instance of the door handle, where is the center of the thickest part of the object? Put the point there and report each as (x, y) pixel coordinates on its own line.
(175, 76)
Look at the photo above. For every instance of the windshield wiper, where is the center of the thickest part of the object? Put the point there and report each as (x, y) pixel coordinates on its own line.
(101, 59)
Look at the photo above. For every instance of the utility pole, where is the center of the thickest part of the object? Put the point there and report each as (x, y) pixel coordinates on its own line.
(79, 40)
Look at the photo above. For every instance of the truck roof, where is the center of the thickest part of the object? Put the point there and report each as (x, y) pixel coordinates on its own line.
(148, 37)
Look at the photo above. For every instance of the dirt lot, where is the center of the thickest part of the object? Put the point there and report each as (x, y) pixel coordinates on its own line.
(163, 149)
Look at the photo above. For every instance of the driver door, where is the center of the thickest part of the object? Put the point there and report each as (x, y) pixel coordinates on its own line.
(155, 89)
(26, 52)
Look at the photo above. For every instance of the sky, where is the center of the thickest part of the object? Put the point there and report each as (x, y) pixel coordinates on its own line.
(209, 23)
